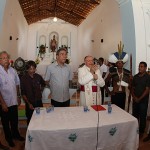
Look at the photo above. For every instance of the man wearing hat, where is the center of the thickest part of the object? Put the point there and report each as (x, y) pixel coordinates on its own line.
(119, 76)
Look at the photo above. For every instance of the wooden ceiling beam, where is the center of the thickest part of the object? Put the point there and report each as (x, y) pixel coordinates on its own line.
(97, 2)
(70, 12)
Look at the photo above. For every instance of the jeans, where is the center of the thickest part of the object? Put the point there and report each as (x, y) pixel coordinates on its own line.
(140, 112)
(10, 122)
(60, 104)
(119, 99)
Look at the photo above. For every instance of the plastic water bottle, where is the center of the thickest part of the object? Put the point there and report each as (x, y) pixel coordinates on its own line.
(109, 107)
(50, 109)
(37, 109)
(85, 108)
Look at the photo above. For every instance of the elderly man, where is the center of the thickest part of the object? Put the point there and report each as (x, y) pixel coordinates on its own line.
(9, 99)
(90, 78)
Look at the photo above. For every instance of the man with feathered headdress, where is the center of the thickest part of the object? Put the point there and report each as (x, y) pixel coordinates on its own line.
(119, 76)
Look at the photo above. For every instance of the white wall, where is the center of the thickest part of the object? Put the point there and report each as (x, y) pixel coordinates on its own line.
(103, 23)
(63, 29)
(112, 21)
(128, 31)
(15, 25)
(141, 10)
(2, 7)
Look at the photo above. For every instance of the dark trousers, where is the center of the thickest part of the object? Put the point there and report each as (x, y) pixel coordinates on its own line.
(119, 99)
(29, 111)
(102, 94)
(60, 104)
(10, 122)
(139, 111)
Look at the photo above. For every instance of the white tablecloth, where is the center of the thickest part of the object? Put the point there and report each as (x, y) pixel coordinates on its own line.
(46, 93)
(53, 131)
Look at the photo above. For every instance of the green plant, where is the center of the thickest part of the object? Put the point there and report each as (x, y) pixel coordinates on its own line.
(37, 61)
(67, 61)
(42, 49)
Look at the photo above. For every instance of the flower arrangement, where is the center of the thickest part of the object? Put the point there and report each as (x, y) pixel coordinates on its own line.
(42, 49)
(65, 46)
(11, 62)
(37, 61)
(67, 61)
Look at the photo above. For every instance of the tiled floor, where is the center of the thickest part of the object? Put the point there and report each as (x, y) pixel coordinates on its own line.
(18, 145)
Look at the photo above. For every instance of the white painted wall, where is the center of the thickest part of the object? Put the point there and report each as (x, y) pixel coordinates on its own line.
(37, 29)
(128, 31)
(15, 25)
(2, 7)
(141, 10)
(95, 27)
(129, 20)
(103, 23)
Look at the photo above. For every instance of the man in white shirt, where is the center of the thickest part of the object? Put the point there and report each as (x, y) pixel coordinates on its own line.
(103, 69)
(9, 100)
(90, 79)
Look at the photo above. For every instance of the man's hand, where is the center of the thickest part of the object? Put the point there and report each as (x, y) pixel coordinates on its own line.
(4, 107)
(31, 107)
(19, 100)
(136, 99)
(95, 76)
(93, 69)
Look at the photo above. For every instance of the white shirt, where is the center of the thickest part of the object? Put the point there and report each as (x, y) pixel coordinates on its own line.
(8, 82)
(103, 69)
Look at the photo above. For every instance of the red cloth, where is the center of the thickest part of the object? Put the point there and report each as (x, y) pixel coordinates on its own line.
(94, 88)
(98, 107)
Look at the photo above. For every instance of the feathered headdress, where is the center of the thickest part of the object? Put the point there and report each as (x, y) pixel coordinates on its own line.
(119, 56)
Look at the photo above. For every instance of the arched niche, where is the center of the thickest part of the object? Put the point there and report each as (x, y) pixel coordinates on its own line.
(64, 41)
(42, 41)
(51, 40)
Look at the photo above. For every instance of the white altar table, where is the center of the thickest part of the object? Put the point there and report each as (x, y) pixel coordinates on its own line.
(71, 128)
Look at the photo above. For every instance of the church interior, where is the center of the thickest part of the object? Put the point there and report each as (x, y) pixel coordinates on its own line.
(36, 29)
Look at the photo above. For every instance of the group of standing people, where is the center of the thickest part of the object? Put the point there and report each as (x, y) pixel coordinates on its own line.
(58, 76)
(91, 78)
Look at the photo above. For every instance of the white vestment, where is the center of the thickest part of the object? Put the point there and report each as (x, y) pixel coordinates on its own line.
(85, 78)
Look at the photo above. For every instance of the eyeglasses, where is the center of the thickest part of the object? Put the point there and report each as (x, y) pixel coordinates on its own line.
(4, 58)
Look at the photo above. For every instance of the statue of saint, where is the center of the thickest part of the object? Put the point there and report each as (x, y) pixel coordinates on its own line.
(53, 44)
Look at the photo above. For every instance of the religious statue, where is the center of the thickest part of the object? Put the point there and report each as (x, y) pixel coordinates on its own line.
(53, 44)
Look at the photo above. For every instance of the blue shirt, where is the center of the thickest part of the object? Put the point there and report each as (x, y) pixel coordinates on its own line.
(58, 77)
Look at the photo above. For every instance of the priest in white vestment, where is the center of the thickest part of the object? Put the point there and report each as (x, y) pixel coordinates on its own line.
(91, 80)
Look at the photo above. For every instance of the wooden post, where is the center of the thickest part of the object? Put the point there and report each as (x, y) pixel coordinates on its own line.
(130, 83)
